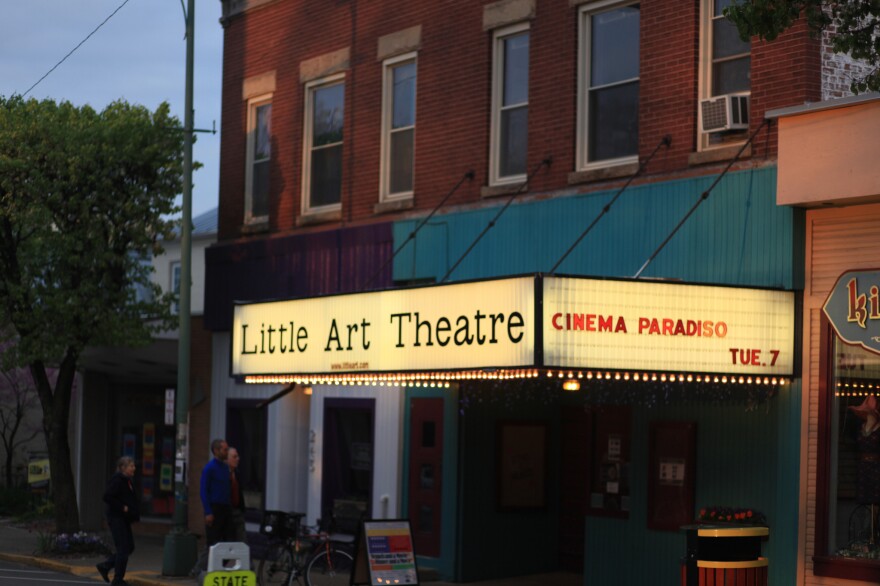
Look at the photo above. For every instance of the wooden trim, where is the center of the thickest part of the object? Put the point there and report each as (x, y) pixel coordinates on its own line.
(848, 569)
(823, 464)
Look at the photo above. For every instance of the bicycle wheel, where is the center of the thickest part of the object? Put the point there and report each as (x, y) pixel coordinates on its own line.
(275, 568)
(329, 566)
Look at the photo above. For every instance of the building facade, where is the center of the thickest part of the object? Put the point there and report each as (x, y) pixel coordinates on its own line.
(838, 185)
(369, 146)
(123, 394)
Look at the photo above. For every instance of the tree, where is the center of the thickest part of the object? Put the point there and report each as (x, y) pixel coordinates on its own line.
(84, 198)
(854, 24)
(18, 400)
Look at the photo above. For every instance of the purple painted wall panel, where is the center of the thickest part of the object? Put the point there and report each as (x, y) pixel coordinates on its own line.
(304, 265)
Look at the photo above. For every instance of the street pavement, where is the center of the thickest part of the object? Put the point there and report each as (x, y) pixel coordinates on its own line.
(19, 546)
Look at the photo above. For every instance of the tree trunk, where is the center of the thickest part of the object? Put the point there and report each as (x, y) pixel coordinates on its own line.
(56, 412)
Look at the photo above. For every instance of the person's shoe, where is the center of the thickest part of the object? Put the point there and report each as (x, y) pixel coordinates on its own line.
(105, 572)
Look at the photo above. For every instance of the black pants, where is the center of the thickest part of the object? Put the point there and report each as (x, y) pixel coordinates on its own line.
(222, 529)
(123, 541)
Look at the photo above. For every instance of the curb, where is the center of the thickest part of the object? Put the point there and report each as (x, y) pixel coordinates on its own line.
(88, 571)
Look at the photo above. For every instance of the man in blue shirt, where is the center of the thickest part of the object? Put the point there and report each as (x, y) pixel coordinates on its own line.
(215, 492)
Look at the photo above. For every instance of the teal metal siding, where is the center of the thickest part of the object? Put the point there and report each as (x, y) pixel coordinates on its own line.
(744, 459)
(738, 236)
(495, 543)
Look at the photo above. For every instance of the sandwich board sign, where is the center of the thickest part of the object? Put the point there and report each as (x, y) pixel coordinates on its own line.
(384, 553)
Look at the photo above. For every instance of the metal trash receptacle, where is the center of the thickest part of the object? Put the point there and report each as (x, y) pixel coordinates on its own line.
(718, 554)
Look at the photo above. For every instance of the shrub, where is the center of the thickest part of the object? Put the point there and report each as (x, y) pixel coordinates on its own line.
(14, 501)
(73, 543)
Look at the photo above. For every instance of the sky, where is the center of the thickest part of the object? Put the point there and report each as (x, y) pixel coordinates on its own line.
(138, 55)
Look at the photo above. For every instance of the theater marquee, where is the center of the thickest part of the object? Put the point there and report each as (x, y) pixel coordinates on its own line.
(487, 324)
(643, 325)
(521, 322)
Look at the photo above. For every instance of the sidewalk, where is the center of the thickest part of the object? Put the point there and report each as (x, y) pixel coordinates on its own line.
(145, 565)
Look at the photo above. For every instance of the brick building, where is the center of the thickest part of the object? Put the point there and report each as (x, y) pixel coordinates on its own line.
(369, 146)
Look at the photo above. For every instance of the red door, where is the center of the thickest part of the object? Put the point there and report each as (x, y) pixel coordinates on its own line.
(426, 473)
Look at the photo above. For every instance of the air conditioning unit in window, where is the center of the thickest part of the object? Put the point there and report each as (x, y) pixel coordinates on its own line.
(727, 112)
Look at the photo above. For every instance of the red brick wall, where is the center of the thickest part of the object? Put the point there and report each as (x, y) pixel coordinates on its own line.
(785, 73)
(452, 128)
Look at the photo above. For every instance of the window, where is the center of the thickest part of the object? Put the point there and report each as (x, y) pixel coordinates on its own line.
(398, 127)
(175, 285)
(730, 56)
(726, 63)
(609, 86)
(259, 154)
(322, 158)
(510, 105)
(848, 499)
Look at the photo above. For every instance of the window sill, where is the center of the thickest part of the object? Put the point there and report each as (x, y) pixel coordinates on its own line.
(257, 227)
(496, 190)
(603, 173)
(393, 206)
(848, 569)
(309, 218)
(717, 155)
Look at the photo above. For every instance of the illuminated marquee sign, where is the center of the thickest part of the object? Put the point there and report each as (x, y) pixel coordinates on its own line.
(468, 325)
(639, 325)
(553, 322)
(853, 308)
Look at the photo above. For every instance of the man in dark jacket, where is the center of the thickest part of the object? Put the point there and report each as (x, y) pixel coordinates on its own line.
(215, 492)
(121, 511)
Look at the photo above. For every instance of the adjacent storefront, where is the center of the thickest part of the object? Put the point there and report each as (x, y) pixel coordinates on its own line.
(835, 176)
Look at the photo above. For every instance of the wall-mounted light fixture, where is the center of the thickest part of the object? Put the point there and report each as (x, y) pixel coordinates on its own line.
(571, 385)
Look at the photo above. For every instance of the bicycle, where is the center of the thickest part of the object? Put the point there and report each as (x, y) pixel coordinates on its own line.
(298, 552)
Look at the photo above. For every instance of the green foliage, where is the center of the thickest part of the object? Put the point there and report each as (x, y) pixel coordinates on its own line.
(84, 198)
(14, 501)
(43, 511)
(855, 27)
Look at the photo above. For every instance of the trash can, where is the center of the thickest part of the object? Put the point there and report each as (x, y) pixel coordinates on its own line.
(722, 554)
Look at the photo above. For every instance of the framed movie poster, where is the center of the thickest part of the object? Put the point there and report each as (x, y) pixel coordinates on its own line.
(521, 464)
(671, 474)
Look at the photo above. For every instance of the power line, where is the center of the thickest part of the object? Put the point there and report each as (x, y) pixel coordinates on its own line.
(75, 48)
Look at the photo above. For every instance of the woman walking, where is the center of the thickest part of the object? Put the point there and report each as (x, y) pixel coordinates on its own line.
(122, 511)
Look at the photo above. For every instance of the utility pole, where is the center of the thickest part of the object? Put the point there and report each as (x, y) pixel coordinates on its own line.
(180, 552)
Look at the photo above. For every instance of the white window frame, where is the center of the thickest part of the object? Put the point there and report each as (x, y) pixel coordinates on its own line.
(388, 67)
(584, 59)
(174, 284)
(707, 12)
(498, 37)
(310, 88)
(252, 105)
